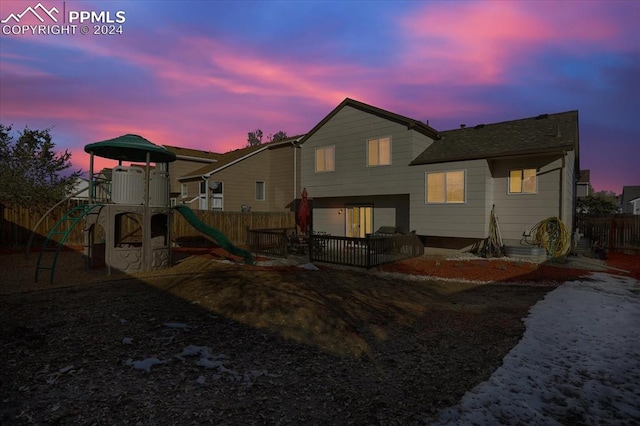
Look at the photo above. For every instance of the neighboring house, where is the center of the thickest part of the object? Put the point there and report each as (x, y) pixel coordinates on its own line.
(80, 190)
(583, 186)
(262, 178)
(635, 203)
(365, 167)
(188, 160)
(628, 199)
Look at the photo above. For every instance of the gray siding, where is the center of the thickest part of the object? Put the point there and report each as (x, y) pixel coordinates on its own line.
(518, 213)
(466, 220)
(349, 131)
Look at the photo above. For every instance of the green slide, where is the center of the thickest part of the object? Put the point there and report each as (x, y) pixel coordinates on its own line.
(213, 233)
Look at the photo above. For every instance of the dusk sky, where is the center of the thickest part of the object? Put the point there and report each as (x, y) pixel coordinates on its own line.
(201, 74)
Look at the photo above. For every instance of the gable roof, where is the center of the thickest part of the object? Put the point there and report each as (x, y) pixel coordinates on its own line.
(193, 154)
(411, 124)
(232, 157)
(546, 133)
(630, 193)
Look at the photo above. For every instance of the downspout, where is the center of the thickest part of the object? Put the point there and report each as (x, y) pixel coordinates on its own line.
(561, 203)
(91, 184)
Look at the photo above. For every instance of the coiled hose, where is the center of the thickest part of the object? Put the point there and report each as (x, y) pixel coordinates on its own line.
(553, 235)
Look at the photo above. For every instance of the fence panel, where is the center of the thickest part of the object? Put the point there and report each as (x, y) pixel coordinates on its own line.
(616, 232)
(16, 224)
(272, 242)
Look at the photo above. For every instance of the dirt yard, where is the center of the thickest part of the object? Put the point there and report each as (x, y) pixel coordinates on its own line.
(224, 343)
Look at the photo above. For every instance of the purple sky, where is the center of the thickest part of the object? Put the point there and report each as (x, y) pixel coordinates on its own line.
(202, 74)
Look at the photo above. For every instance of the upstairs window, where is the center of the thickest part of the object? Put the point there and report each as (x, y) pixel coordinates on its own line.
(446, 187)
(379, 152)
(184, 190)
(325, 159)
(523, 181)
(260, 196)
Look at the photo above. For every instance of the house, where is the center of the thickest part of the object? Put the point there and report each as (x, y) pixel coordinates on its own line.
(583, 186)
(629, 203)
(187, 161)
(262, 178)
(365, 167)
(80, 189)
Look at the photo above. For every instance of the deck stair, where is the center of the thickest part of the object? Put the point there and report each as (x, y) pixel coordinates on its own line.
(54, 242)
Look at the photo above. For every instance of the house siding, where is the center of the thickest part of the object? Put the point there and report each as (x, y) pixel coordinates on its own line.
(181, 168)
(464, 220)
(274, 167)
(348, 131)
(518, 213)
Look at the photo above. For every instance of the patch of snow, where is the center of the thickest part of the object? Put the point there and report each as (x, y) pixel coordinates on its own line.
(127, 341)
(144, 364)
(310, 266)
(578, 362)
(201, 380)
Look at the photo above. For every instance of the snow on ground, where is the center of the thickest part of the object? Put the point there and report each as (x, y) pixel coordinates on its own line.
(578, 362)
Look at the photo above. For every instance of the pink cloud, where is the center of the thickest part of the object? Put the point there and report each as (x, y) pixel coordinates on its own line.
(479, 42)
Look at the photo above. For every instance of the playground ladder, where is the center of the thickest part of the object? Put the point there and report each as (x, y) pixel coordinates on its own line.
(72, 217)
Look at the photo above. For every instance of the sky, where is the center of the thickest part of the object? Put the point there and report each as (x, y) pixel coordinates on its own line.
(202, 75)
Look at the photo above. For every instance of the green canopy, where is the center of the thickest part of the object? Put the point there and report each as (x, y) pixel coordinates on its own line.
(130, 148)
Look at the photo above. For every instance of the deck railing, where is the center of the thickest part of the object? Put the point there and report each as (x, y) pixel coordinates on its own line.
(364, 252)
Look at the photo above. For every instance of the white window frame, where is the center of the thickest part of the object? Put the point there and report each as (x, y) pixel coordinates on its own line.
(377, 142)
(217, 197)
(184, 190)
(264, 190)
(444, 182)
(522, 181)
(325, 151)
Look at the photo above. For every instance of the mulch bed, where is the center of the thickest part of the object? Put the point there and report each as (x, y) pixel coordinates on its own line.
(237, 344)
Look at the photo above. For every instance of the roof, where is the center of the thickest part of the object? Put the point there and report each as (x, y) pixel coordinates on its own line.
(196, 154)
(546, 133)
(130, 148)
(231, 157)
(630, 193)
(411, 124)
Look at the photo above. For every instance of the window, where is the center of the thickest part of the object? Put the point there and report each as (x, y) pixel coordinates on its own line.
(325, 159)
(260, 191)
(184, 190)
(446, 187)
(523, 181)
(217, 200)
(379, 152)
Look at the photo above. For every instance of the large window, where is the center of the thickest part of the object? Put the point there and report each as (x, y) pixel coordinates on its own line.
(379, 152)
(260, 191)
(523, 181)
(325, 159)
(446, 187)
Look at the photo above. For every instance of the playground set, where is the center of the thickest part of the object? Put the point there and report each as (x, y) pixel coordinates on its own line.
(130, 231)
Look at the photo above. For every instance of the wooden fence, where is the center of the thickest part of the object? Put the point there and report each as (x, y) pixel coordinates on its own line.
(615, 232)
(16, 225)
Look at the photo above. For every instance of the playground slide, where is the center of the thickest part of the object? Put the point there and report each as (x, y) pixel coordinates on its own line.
(213, 233)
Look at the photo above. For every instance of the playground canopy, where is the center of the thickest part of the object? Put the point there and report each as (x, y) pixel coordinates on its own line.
(130, 148)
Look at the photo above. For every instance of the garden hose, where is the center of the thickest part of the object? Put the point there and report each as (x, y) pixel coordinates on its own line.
(553, 235)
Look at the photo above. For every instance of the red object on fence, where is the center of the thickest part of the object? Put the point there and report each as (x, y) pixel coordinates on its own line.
(303, 212)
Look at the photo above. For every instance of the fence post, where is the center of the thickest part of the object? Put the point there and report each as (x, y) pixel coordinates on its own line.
(367, 238)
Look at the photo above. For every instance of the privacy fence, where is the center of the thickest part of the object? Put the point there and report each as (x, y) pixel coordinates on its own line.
(16, 225)
(615, 232)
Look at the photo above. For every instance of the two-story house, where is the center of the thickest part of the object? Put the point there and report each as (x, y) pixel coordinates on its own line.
(260, 178)
(365, 167)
